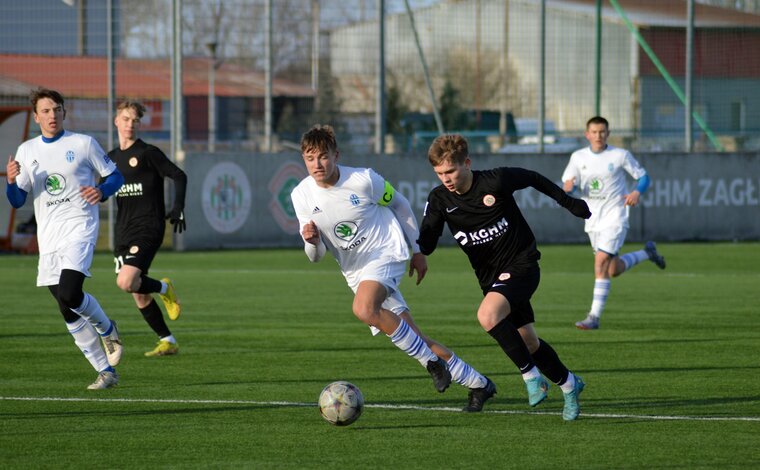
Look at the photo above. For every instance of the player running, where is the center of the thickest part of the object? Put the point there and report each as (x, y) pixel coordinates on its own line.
(598, 171)
(140, 223)
(60, 169)
(368, 227)
(482, 215)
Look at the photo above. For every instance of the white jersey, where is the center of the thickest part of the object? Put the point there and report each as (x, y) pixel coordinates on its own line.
(53, 171)
(353, 222)
(601, 181)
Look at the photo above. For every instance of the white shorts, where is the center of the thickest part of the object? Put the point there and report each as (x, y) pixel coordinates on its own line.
(77, 257)
(389, 274)
(609, 240)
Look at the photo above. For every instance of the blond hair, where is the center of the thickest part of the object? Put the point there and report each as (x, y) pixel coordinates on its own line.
(448, 148)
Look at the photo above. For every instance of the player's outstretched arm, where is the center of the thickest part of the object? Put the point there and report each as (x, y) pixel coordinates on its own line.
(577, 207)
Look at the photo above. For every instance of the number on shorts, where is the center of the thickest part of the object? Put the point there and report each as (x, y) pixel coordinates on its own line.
(119, 263)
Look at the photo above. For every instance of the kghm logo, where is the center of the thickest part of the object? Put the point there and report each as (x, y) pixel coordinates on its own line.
(70, 156)
(130, 189)
(484, 235)
(345, 230)
(55, 184)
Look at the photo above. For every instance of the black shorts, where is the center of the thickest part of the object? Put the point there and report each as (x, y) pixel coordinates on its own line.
(518, 288)
(138, 253)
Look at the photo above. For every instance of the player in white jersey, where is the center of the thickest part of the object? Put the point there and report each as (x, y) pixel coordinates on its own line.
(598, 173)
(61, 169)
(368, 227)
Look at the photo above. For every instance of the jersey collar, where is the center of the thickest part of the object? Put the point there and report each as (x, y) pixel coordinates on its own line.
(50, 140)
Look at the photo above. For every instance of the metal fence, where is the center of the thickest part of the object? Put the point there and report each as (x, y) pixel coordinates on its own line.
(512, 75)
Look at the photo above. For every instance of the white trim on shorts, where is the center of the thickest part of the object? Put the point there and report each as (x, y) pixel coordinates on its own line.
(77, 257)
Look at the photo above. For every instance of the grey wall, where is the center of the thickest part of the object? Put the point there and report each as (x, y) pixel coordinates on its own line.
(242, 200)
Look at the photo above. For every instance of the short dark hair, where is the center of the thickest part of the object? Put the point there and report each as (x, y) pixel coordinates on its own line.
(42, 93)
(320, 137)
(448, 148)
(598, 120)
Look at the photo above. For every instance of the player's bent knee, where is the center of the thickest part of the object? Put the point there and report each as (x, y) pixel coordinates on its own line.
(487, 320)
(128, 284)
(70, 297)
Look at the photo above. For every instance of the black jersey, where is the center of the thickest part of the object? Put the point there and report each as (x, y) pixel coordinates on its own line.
(140, 200)
(486, 221)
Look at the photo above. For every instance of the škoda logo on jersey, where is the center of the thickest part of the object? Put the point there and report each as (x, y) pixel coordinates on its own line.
(347, 231)
(54, 185)
(483, 235)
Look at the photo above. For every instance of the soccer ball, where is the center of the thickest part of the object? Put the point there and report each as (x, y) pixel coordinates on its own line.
(341, 403)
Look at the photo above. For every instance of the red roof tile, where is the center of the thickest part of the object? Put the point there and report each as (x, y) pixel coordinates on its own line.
(86, 77)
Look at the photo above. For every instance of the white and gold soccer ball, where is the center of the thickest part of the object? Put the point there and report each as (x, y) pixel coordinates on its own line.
(341, 403)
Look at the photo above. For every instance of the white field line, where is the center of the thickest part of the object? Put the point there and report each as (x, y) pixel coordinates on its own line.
(382, 406)
(320, 272)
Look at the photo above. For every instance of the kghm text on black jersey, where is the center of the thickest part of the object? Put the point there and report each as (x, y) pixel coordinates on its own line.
(130, 189)
(483, 235)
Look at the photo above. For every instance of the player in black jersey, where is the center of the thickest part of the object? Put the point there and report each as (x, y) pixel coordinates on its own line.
(140, 223)
(483, 217)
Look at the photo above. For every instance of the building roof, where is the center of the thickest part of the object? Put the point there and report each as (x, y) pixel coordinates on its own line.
(86, 77)
(664, 13)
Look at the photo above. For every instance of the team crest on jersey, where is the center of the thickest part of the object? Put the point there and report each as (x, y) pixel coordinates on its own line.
(489, 200)
(55, 184)
(134, 249)
(70, 156)
(504, 276)
(133, 162)
(346, 230)
(354, 200)
(610, 167)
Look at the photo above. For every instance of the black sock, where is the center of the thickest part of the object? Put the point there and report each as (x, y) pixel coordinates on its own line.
(549, 362)
(155, 319)
(148, 285)
(512, 343)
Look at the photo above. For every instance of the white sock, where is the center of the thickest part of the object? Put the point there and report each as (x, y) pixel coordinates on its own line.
(464, 374)
(88, 341)
(407, 340)
(601, 291)
(90, 310)
(569, 384)
(633, 258)
(169, 338)
(531, 374)
(164, 288)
